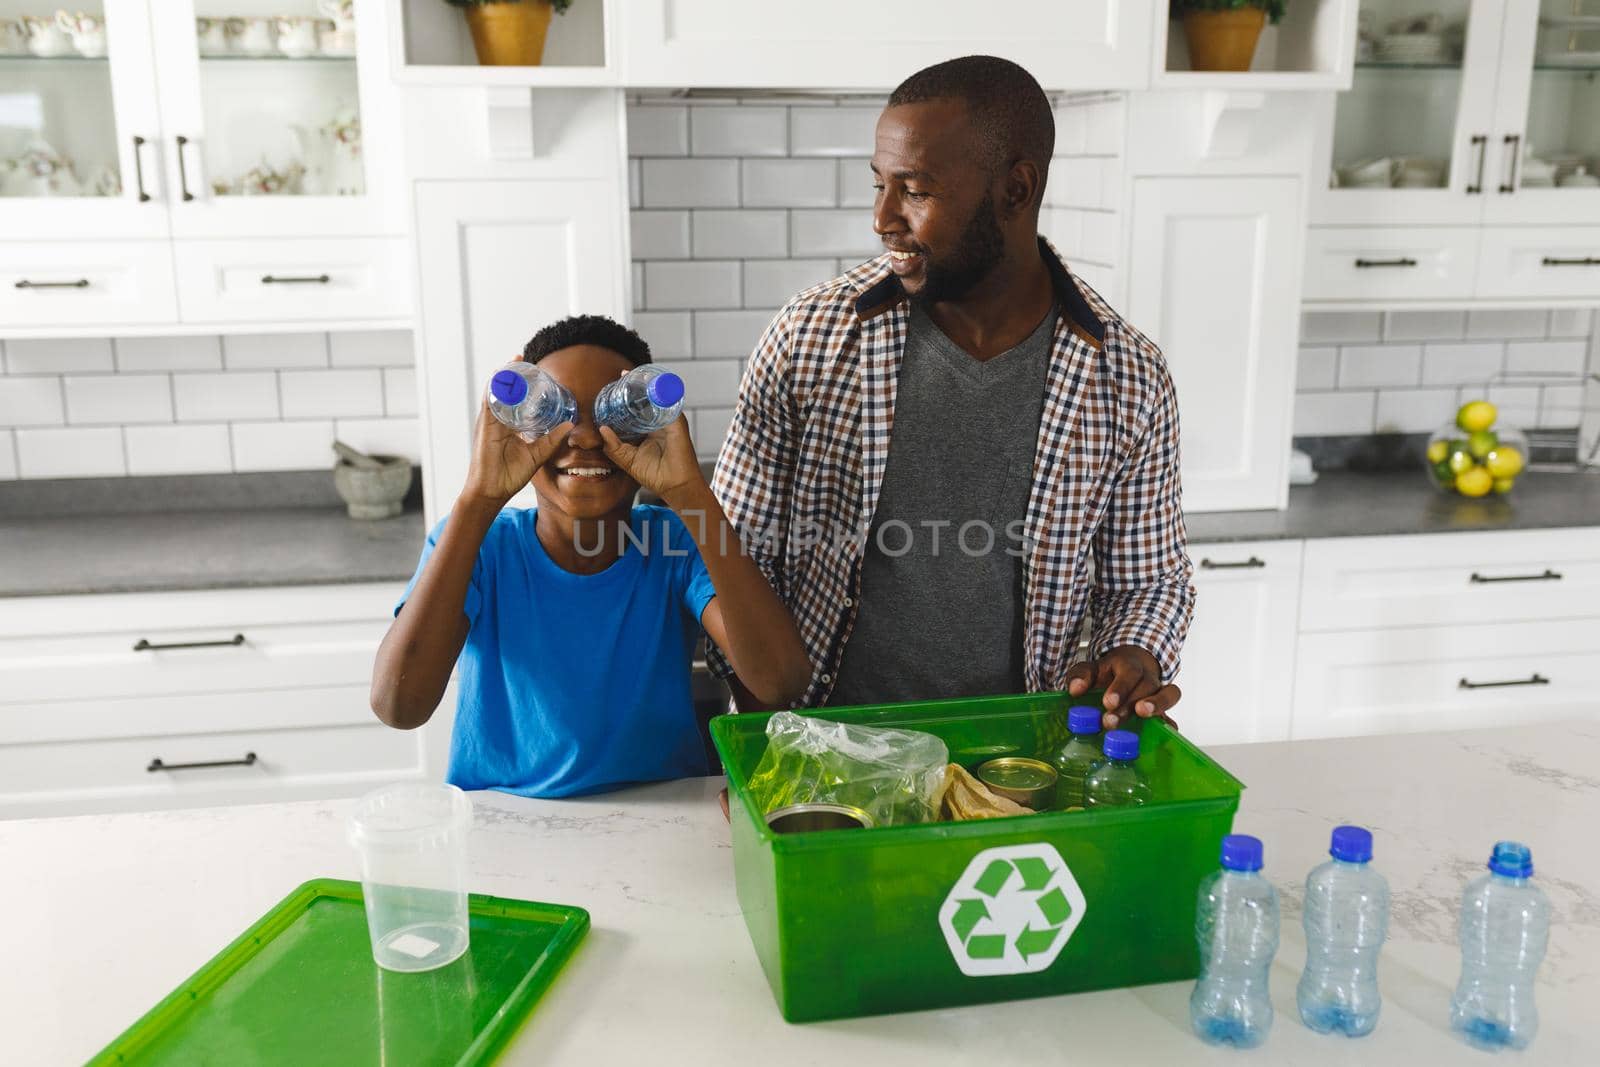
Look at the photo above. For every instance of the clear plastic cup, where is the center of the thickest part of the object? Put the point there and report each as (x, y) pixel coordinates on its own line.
(413, 845)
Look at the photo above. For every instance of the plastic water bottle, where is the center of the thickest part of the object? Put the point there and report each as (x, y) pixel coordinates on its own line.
(1346, 920)
(529, 401)
(1077, 756)
(640, 402)
(1236, 927)
(1505, 923)
(1113, 779)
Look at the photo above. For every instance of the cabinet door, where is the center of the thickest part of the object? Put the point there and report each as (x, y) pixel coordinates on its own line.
(842, 44)
(279, 126)
(1540, 262)
(1237, 675)
(1409, 143)
(1546, 145)
(79, 126)
(1215, 281)
(496, 261)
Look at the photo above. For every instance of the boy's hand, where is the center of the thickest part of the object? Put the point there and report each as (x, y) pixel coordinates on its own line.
(663, 462)
(503, 461)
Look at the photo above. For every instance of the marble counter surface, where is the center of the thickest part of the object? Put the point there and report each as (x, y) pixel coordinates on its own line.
(107, 914)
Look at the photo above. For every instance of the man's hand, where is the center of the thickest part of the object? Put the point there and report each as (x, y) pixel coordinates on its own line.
(1131, 678)
(663, 462)
(503, 461)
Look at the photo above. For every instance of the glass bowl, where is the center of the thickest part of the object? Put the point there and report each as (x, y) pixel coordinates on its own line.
(1484, 463)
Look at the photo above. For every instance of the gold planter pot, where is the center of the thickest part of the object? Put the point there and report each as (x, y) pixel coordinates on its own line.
(1223, 40)
(509, 33)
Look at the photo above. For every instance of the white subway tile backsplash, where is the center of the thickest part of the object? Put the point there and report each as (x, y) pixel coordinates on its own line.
(140, 354)
(833, 233)
(668, 333)
(1316, 368)
(635, 184)
(708, 382)
(268, 350)
(1561, 406)
(201, 449)
(1414, 410)
(1424, 325)
(710, 427)
(838, 131)
(1379, 366)
(283, 446)
(1506, 323)
(1104, 136)
(1072, 130)
(772, 283)
(659, 234)
(1571, 322)
(381, 437)
(1318, 414)
(1101, 234)
(738, 131)
(223, 396)
(1547, 357)
(1111, 183)
(8, 455)
(856, 184)
(695, 284)
(79, 452)
(658, 131)
(1063, 227)
(118, 399)
(399, 391)
(313, 394)
(1518, 404)
(1076, 182)
(691, 182)
(790, 183)
(637, 285)
(728, 334)
(30, 401)
(372, 348)
(1332, 327)
(76, 355)
(1462, 363)
(741, 234)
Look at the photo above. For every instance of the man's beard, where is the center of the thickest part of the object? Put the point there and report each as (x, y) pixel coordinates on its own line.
(977, 251)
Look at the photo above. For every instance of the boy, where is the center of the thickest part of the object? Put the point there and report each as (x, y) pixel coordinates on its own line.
(574, 621)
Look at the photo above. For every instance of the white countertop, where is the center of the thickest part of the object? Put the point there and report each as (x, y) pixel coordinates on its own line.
(106, 914)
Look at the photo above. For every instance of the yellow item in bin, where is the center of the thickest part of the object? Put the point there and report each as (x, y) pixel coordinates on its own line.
(1476, 415)
(963, 797)
(1475, 482)
(1504, 462)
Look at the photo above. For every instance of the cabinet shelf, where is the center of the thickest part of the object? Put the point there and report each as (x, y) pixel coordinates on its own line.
(32, 59)
(1311, 48)
(268, 59)
(1379, 64)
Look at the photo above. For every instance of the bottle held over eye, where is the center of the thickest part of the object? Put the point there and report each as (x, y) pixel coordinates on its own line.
(640, 402)
(529, 401)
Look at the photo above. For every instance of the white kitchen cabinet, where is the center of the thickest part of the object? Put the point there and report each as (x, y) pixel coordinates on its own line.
(1212, 260)
(93, 283)
(295, 279)
(1384, 263)
(842, 44)
(1540, 261)
(1237, 674)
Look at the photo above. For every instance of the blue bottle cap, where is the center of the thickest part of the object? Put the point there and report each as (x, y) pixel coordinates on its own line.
(665, 389)
(1083, 719)
(508, 387)
(1511, 859)
(1353, 844)
(1241, 852)
(1121, 744)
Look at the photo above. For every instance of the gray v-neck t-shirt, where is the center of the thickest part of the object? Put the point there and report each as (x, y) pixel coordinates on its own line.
(942, 570)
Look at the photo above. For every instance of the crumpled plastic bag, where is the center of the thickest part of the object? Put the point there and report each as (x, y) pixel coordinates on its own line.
(965, 797)
(895, 776)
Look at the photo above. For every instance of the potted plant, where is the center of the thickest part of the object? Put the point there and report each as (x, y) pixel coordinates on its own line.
(509, 33)
(1223, 33)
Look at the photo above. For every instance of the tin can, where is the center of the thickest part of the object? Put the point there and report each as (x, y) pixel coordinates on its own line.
(1029, 782)
(803, 818)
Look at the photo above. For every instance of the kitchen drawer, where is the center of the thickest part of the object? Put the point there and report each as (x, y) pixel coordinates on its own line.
(1390, 263)
(311, 280)
(1540, 262)
(1445, 678)
(110, 283)
(144, 715)
(1359, 583)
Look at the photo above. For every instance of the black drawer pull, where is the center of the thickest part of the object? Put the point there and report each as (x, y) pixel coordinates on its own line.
(1213, 565)
(1582, 261)
(144, 644)
(183, 173)
(157, 765)
(1481, 142)
(311, 279)
(1403, 261)
(1513, 142)
(81, 283)
(138, 168)
(1535, 679)
(1548, 576)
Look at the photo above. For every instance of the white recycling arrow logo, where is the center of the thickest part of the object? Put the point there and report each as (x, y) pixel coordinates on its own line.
(1012, 910)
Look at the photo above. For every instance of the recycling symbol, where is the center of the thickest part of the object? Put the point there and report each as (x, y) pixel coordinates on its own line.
(1012, 910)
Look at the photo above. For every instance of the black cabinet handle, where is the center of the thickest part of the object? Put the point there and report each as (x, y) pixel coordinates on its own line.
(1548, 576)
(183, 174)
(1404, 261)
(1213, 565)
(1534, 679)
(144, 645)
(158, 765)
(310, 279)
(1480, 141)
(1584, 261)
(138, 168)
(1514, 140)
(81, 283)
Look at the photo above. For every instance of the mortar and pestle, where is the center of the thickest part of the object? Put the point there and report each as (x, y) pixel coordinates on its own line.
(373, 487)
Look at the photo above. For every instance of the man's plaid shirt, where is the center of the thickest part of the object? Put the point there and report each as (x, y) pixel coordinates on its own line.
(805, 455)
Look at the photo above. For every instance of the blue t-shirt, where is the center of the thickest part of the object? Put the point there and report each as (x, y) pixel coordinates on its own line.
(577, 683)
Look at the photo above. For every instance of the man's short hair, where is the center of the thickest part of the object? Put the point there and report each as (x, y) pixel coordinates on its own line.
(594, 330)
(1008, 109)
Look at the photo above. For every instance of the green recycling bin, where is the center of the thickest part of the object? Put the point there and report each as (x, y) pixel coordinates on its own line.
(902, 918)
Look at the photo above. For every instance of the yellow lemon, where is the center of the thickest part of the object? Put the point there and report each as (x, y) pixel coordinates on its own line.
(1438, 450)
(1503, 485)
(1481, 442)
(1460, 462)
(1476, 415)
(1504, 462)
(1474, 482)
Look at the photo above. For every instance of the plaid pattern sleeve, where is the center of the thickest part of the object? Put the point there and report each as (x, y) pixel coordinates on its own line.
(1143, 594)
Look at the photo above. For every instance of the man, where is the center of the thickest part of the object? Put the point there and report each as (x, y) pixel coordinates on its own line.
(930, 451)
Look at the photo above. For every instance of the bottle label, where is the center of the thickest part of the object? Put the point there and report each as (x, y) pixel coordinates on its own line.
(1012, 911)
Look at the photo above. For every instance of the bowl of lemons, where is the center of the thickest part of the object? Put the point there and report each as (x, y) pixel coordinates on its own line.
(1473, 457)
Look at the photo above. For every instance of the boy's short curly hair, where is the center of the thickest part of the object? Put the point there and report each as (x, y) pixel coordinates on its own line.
(587, 330)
